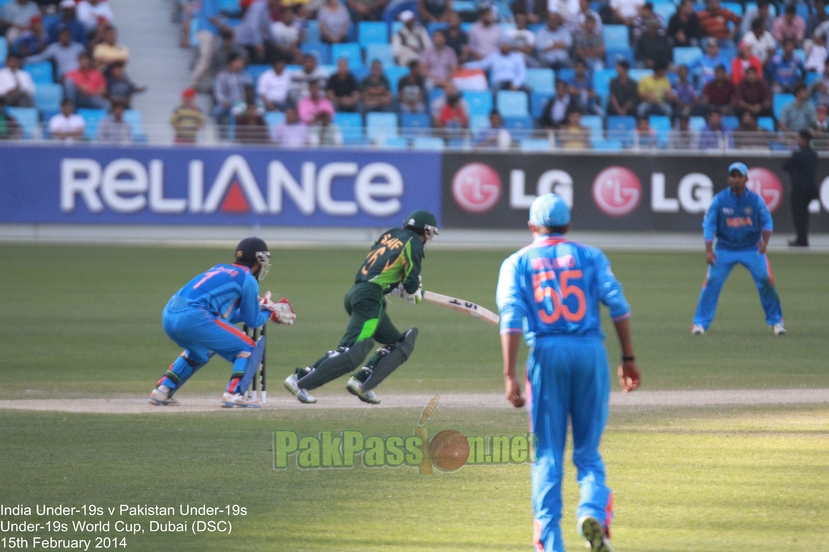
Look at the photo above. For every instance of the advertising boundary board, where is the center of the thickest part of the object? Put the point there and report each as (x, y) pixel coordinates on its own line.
(613, 192)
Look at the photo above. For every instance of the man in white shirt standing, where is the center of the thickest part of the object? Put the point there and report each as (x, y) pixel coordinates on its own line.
(16, 86)
(89, 12)
(274, 86)
(67, 126)
(761, 41)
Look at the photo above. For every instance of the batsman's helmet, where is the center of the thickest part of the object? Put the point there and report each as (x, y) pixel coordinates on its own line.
(422, 222)
(252, 250)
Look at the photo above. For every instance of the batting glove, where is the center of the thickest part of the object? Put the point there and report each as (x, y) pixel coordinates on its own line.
(414, 298)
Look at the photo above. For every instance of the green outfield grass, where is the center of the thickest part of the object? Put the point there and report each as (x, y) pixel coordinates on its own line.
(84, 321)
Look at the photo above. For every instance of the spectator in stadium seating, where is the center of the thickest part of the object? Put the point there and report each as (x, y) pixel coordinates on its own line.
(645, 135)
(647, 18)
(63, 53)
(820, 128)
(314, 103)
(715, 135)
(683, 27)
(582, 90)
(753, 95)
(626, 11)
(451, 111)
(817, 55)
(555, 111)
(286, 36)
(431, 11)
(300, 79)
(250, 97)
(624, 91)
(33, 40)
(744, 59)
(113, 129)
(553, 43)
(573, 135)
(120, 87)
(817, 18)
(577, 20)
(786, 70)
(293, 133)
(17, 17)
(686, 96)
(682, 137)
(720, 93)
(274, 86)
(789, 26)
(588, 44)
(655, 94)
(93, 12)
(253, 33)
(820, 88)
(229, 89)
(705, 65)
(652, 47)
(86, 86)
(523, 41)
(457, 39)
(68, 20)
(749, 135)
(714, 22)
(207, 18)
(439, 61)
(483, 35)
(324, 132)
(67, 126)
(760, 40)
(109, 51)
(799, 114)
(411, 90)
(763, 12)
(366, 10)
(227, 47)
(334, 22)
(250, 126)
(507, 68)
(533, 10)
(10, 129)
(16, 86)
(187, 118)
(495, 135)
(411, 41)
(376, 90)
(343, 89)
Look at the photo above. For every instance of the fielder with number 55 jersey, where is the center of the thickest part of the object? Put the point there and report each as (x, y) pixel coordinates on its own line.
(551, 291)
(391, 267)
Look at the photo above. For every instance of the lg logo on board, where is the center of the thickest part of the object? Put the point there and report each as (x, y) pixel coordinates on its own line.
(476, 188)
(766, 183)
(617, 191)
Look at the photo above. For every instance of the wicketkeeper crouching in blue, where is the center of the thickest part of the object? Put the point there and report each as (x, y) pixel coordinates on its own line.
(552, 291)
(742, 225)
(200, 318)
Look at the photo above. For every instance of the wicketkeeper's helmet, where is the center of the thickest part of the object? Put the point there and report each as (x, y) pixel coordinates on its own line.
(252, 250)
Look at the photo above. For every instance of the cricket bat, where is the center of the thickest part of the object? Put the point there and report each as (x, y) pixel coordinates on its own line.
(463, 306)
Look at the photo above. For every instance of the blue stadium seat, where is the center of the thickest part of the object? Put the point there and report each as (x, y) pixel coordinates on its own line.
(566, 74)
(534, 144)
(273, 118)
(312, 31)
(320, 50)
(730, 122)
(415, 124)
(41, 72)
(478, 122)
(136, 123)
(620, 127)
(596, 126)
(601, 81)
(48, 98)
(372, 32)
(512, 103)
(734, 7)
(461, 6)
(4, 49)
(541, 80)
(665, 9)
(802, 10)
(381, 52)
(393, 142)
(27, 117)
(538, 101)
(429, 143)
(394, 74)
(766, 123)
(519, 127)
(351, 126)
(92, 117)
(395, 26)
(729, 53)
(436, 26)
(637, 74)
(685, 55)
(662, 126)
(255, 71)
(480, 103)
(350, 51)
(780, 101)
(616, 36)
(697, 123)
(607, 145)
(613, 55)
(379, 125)
(230, 6)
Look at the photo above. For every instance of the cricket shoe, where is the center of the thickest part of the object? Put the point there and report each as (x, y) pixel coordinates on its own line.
(160, 396)
(300, 393)
(779, 329)
(696, 329)
(594, 534)
(355, 387)
(237, 400)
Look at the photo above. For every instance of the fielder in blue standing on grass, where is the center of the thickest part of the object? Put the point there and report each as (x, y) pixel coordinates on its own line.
(200, 317)
(740, 221)
(551, 291)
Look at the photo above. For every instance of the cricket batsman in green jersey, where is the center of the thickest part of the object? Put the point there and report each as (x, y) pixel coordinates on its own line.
(391, 267)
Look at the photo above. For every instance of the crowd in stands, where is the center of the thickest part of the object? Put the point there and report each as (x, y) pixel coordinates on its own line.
(494, 71)
(62, 56)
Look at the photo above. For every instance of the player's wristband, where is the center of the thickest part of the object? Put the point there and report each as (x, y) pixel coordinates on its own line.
(628, 358)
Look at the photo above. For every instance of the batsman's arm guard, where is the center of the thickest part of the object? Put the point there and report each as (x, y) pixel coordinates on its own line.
(395, 355)
(337, 364)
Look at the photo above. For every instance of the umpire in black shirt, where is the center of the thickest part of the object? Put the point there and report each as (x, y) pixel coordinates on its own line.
(802, 168)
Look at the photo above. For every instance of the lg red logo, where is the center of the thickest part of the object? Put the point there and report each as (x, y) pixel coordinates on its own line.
(476, 188)
(766, 183)
(617, 191)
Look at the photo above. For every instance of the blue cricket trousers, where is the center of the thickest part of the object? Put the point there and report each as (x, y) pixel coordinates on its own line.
(568, 377)
(757, 265)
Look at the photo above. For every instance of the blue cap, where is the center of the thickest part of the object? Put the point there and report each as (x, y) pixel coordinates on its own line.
(549, 210)
(741, 167)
